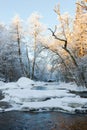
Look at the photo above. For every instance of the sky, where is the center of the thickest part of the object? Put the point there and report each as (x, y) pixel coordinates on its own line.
(9, 8)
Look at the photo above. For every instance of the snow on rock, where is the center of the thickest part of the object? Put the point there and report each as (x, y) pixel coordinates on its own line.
(25, 82)
(52, 104)
(71, 86)
(7, 86)
(28, 95)
(2, 83)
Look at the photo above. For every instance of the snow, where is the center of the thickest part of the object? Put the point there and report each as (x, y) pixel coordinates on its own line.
(1, 83)
(24, 82)
(29, 95)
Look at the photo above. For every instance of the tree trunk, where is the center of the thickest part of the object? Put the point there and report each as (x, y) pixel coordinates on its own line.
(28, 71)
(19, 53)
(34, 60)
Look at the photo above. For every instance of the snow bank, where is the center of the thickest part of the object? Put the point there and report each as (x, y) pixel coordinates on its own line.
(2, 83)
(24, 95)
(27, 95)
(25, 82)
(7, 86)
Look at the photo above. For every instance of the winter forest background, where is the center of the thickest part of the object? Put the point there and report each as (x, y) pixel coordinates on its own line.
(31, 49)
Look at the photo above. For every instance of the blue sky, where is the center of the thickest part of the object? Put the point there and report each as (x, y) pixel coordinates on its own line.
(9, 8)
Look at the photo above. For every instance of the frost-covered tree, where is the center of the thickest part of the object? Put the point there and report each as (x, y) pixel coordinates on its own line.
(7, 55)
(80, 29)
(64, 36)
(36, 30)
(3, 50)
(17, 35)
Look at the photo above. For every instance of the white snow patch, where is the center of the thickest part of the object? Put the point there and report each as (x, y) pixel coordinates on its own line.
(2, 83)
(25, 82)
(23, 95)
(7, 86)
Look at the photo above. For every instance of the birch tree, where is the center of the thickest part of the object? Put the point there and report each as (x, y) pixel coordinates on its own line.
(36, 31)
(16, 30)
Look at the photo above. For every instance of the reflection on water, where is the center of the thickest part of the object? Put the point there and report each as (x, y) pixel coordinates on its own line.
(39, 88)
(42, 121)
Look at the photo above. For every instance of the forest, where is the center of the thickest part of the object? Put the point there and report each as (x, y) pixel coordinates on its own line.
(28, 48)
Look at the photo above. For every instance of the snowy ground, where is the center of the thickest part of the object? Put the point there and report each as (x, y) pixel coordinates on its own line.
(28, 95)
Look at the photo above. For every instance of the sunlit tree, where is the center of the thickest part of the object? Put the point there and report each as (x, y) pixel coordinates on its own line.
(80, 29)
(65, 36)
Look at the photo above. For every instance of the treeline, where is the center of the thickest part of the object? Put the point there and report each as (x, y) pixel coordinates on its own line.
(26, 49)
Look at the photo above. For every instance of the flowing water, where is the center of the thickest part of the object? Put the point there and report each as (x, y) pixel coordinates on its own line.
(15, 120)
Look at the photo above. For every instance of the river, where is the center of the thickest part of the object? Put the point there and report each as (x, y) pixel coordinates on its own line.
(17, 120)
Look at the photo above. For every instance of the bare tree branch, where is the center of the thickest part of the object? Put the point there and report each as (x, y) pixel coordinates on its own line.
(64, 47)
(53, 34)
(84, 6)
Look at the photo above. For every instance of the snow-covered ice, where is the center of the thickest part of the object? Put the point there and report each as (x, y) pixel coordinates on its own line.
(28, 95)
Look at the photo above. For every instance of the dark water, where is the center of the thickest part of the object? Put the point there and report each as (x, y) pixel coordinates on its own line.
(39, 88)
(82, 94)
(3, 104)
(1, 95)
(15, 120)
